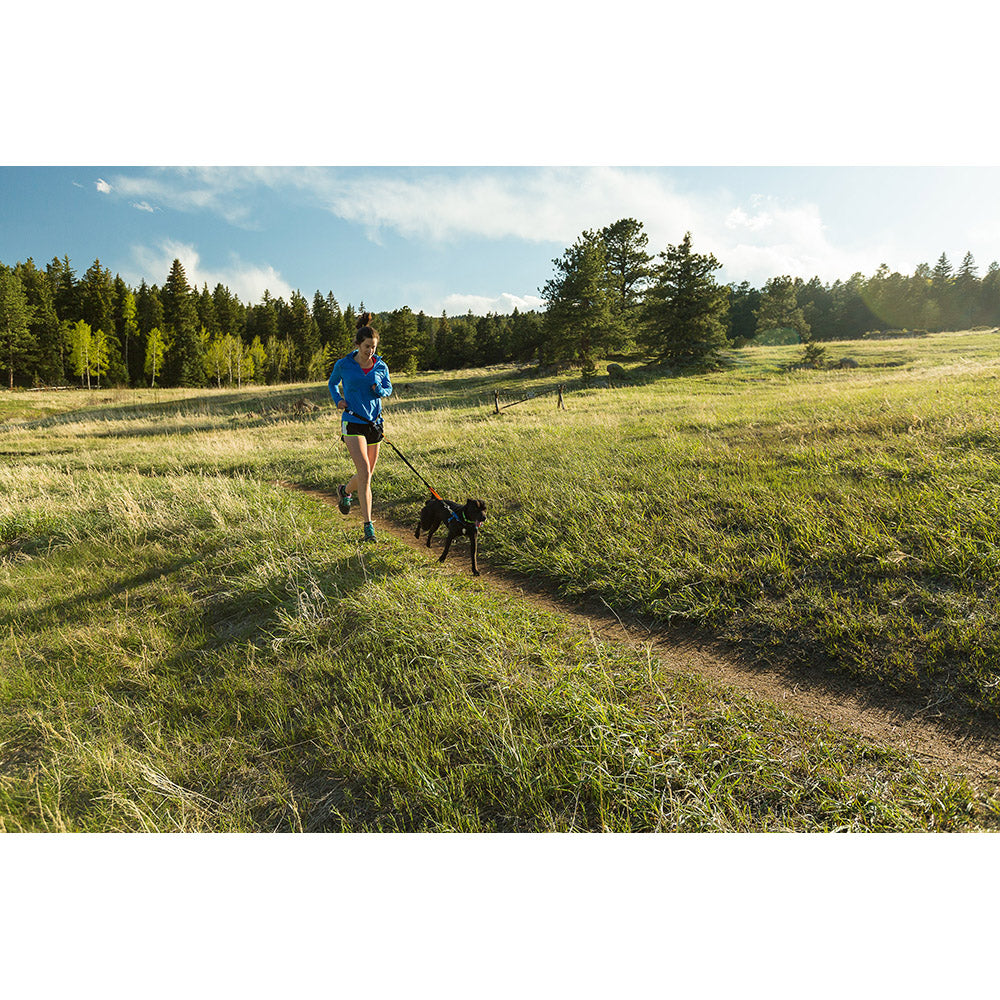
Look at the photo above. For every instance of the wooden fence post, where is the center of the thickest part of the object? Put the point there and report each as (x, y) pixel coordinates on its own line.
(496, 400)
(560, 405)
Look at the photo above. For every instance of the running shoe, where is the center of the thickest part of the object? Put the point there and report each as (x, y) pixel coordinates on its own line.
(344, 503)
(370, 532)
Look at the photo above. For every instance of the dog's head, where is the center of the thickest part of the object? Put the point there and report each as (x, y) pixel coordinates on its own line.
(474, 512)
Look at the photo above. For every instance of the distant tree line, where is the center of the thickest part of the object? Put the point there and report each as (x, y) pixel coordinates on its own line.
(608, 297)
(57, 328)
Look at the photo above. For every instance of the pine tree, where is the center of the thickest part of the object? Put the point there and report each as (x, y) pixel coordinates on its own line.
(304, 334)
(127, 330)
(328, 318)
(148, 308)
(779, 309)
(205, 306)
(888, 295)
(184, 364)
(525, 335)
(489, 340)
(65, 292)
(350, 320)
(45, 362)
(442, 341)
(816, 301)
(425, 340)
(966, 293)
(685, 313)
(852, 316)
(97, 309)
(398, 345)
(925, 314)
(989, 295)
(629, 268)
(15, 320)
(579, 318)
(744, 300)
(321, 364)
(942, 290)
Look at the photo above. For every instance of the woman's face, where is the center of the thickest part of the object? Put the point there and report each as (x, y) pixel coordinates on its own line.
(366, 350)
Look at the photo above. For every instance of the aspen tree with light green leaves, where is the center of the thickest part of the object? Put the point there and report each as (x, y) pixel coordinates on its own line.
(100, 354)
(156, 349)
(255, 360)
(81, 349)
(215, 360)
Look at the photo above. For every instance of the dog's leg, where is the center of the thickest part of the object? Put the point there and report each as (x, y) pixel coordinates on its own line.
(430, 535)
(416, 534)
(447, 545)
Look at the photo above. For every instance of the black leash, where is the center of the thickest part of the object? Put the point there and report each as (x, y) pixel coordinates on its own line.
(371, 423)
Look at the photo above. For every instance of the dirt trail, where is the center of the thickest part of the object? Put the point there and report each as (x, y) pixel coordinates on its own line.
(958, 748)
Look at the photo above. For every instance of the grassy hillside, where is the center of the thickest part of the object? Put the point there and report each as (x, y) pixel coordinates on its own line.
(847, 517)
(188, 646)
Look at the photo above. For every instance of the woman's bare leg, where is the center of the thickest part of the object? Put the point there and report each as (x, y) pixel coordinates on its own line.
(361, 481)
(352, 483)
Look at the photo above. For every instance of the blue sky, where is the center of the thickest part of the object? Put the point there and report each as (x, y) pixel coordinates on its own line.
(479, 237)
(786, 139)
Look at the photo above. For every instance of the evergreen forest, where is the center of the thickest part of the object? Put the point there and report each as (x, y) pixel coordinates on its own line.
(608, 297)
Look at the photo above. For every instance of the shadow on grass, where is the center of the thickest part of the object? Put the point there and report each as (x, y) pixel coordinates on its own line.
(77, 609)
(221, 403)
(199, 612)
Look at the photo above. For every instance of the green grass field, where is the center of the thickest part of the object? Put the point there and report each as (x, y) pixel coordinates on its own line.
(187, 645)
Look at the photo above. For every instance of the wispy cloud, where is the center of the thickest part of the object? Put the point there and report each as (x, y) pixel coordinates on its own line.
(247, 281)
(143, 206)
(223, 191)
(754, 238)
(103, 186)
(555, 205)
(505, 303)
(546, 204)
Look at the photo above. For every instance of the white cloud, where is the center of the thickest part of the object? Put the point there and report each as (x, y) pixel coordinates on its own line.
(458, 304)
(103, 186)
(739, 219)
(224, 191)
(754, 238)
(548, 204)
(557, 204)
(143, 206)
(246, 281)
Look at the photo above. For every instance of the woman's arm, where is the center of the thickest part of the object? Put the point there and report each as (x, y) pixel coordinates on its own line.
(334, 382)
(382, 385)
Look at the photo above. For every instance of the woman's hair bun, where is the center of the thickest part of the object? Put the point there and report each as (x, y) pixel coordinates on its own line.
(365, 319)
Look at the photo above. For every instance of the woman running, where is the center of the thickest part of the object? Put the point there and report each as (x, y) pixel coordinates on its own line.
(358, 384)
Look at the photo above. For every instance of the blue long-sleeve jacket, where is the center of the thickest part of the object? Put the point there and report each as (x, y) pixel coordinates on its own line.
(362, 391)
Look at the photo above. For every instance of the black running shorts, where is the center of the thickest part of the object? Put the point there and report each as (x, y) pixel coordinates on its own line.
(369, 432)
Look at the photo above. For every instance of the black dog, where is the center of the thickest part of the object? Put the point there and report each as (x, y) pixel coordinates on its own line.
(459, 520)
